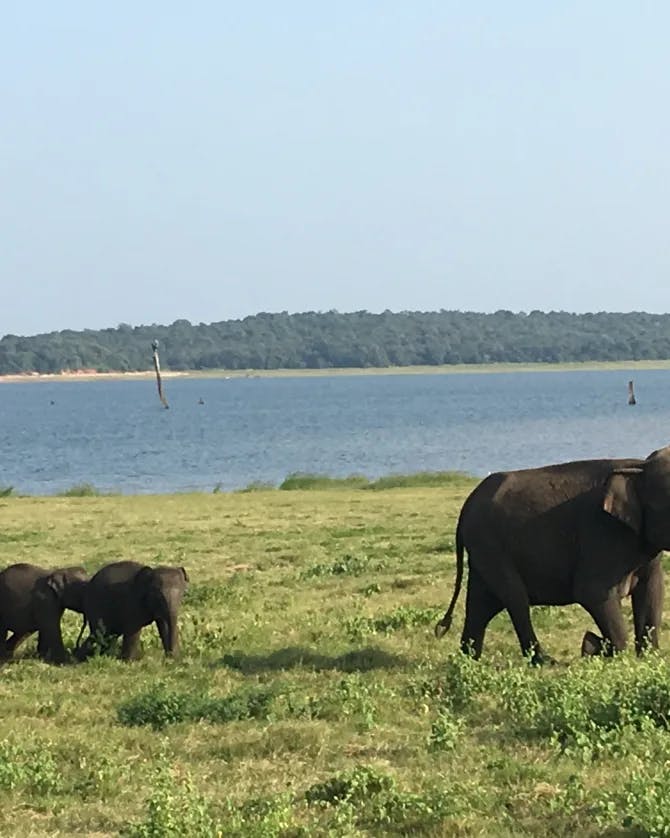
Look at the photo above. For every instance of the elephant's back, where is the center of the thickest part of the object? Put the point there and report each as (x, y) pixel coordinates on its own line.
(526, 493)
(110, 595)
(529, 520)
(19, 579)
(114, 574)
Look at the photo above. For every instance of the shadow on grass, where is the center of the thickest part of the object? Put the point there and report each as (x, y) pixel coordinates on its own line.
(357, 660)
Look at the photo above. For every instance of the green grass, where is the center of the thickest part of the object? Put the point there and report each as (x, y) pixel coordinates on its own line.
(81, 490)
(420, 479)
(312, 698)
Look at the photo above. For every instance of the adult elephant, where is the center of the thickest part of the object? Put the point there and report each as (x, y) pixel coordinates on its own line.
(587, 532)
(123, 597)
(32, 599)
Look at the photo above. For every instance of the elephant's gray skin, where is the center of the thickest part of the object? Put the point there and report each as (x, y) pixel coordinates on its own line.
(123, 597)
(587, 532)
(33, 599)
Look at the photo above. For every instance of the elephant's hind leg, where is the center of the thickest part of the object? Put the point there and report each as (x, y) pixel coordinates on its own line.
(514, 595)
(5, 653)
(481, 606)
(14, 641)
(510, 589)
(610, 621)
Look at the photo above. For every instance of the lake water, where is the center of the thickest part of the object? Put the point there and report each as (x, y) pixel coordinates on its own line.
(116, 435)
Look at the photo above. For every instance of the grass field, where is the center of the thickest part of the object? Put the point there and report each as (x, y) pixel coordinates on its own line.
(311, 697)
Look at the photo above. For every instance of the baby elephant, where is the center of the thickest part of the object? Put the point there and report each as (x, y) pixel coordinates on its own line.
(123, 597)
(33, 599)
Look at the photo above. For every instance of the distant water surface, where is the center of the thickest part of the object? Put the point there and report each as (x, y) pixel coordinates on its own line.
(116, 435)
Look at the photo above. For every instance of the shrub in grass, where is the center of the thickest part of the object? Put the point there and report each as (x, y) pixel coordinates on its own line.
(81, 490)
(373, 801)
(5, 491)
(352, 786)
(174, 810)
(406, 616)
(32, 769)
(300, 480)
(455, 684)
(213, 593)
(642, 806)
(422, 479)
(350, 698)
(160, 706)
(445, 731)
(589, 702)
(347, 565)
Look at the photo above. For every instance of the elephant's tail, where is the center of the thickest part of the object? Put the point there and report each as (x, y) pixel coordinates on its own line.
(84, 623)
(445, 623)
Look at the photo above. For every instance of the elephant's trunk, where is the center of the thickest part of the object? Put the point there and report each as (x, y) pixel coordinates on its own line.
(167, 624)
(73, 597)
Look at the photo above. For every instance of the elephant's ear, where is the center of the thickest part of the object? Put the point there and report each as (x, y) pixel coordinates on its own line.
(144, 576)
(51, 587)
(56, 582)
(143, 580)
(621, 498)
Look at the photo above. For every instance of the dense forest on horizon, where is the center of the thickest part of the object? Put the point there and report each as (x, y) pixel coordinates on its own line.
(319, 340)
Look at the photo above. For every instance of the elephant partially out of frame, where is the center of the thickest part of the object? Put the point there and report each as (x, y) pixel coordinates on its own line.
(123, 597)
(32, 599)
(587, 532)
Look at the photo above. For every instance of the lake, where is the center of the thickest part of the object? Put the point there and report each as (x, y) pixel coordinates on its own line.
(116, 436)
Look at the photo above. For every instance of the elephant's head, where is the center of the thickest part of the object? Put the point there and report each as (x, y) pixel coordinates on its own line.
(161, 590)
(639, 496)
(63, 588)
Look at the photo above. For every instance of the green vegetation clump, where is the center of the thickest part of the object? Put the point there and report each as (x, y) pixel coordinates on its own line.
(81, 490)
(589, 702)
(346, 565)
(369, 798)
(406, 616)
(300, 480)
(161, 706)
(422, 479)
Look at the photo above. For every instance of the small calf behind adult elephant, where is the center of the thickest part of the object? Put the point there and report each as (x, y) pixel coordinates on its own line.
(123, 597)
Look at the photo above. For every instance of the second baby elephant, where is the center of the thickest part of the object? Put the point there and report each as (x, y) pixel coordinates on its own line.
(32, 599)
(587, 532)
(123, 597)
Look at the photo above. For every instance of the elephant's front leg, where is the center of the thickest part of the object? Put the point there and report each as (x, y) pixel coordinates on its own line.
(647, 599)
(130, 648)
(50, 645)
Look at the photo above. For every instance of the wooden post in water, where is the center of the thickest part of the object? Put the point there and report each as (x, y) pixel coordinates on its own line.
(631, 393)
(157, 367)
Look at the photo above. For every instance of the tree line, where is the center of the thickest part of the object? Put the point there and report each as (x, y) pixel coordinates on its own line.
(319, 340)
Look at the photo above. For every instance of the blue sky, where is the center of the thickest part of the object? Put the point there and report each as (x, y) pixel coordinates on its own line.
(162, 160)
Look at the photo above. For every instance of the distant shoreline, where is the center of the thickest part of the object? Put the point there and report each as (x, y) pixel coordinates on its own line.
(445, 369)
